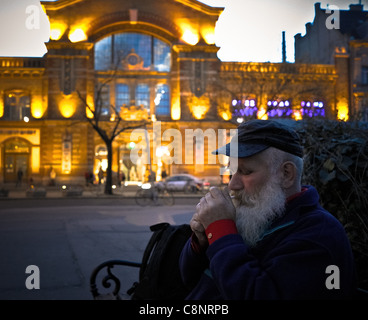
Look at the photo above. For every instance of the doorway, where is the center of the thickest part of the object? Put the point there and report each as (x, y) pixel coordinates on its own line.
(16, 158)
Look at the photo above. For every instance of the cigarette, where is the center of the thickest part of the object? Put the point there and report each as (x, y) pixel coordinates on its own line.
(232, 197)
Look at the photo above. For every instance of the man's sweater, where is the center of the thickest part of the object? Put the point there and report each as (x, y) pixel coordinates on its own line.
(303, 255)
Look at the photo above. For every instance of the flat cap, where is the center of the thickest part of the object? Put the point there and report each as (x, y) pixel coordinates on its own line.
(255, 136)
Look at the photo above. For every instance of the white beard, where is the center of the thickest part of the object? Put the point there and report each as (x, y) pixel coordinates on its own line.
(254, 213)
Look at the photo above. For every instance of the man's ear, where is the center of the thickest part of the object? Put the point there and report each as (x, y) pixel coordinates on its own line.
(288, 173)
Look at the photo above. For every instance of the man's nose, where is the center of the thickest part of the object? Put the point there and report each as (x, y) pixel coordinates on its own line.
(235, 182)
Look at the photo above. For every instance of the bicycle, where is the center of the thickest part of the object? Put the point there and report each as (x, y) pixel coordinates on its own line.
(151, 195)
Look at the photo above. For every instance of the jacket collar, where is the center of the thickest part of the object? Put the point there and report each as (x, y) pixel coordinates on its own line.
(295, 206)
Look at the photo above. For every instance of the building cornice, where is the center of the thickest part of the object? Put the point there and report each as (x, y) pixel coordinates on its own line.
(199, 6)
(57, 5)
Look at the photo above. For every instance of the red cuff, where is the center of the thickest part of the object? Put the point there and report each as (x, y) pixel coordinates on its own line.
(220, 228)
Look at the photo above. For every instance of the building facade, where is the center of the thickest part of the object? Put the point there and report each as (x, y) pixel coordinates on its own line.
(143, 60)
(339, 38)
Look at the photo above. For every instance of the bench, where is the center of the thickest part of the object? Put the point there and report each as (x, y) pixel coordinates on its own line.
(4, 193)
(110, 279)
(36, 192)
(72, 191)
(108, 276)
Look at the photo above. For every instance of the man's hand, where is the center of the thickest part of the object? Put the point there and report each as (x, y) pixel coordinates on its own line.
(199, 231)
(215, 205)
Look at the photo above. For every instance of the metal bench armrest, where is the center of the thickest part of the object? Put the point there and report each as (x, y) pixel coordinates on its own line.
(110, 277)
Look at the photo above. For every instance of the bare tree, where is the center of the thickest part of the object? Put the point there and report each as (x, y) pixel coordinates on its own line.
(282, 83)
(109, 125)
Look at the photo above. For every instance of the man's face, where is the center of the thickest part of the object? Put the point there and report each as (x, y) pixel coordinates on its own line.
(248, 174)
(258, 197)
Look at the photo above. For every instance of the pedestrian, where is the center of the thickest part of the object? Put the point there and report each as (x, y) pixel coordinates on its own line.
(163, 174)
(19, 177)
(265, 235)
(100, 175)
(52, 176)
(123, 178)
(87, 178)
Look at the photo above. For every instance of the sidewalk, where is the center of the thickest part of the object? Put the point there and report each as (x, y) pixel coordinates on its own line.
(57, 192)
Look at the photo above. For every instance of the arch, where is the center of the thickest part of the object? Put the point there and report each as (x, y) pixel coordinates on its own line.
(120, 22)
(16, 157)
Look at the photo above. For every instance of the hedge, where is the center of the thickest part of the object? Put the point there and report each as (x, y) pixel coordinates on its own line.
(336, 163)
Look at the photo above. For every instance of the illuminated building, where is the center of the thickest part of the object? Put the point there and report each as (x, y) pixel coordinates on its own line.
(339, 38)
(156, 59)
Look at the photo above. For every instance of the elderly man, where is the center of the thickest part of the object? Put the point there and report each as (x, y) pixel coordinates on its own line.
(265, 236)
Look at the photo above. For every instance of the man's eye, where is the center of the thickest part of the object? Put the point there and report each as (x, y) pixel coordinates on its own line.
(245, 172)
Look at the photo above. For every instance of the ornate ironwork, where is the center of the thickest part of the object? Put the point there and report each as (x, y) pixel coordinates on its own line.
(109, 279)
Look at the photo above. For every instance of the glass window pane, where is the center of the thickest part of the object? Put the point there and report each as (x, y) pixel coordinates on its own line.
(103, 102)
(162, 55)
(122, 95)
(103, 54)
(162, 100)
(151, 52)
(142, 96)
(125, 43)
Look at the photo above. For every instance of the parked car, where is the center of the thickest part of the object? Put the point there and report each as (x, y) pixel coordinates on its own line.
(185, 183)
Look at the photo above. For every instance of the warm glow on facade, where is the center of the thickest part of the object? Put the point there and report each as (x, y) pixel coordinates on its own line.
(1, 107)
(67, 106)
(262, 113)
(77, 35)
(35, 159)
(57, 29)
(189, 34)
(225, 115)
(37, 108)
(175, 109)
(199, 106)
(208, 35)
(90, 108)
(342, 112)
(297, 115)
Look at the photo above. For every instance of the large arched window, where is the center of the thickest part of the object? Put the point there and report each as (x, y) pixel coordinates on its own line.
(132, 51)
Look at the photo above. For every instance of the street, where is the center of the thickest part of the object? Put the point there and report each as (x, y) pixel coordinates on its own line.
(67, 238)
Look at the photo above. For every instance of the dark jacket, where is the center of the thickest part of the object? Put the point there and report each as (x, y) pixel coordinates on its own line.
(290, 261)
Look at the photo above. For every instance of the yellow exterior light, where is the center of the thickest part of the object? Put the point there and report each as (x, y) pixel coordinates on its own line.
(91, 107)
(77, 35)
(297, 115)
(36, 108)
(190, 37)
(262, 114)
(225, 115)
(199, 112)
(67, 106)
(35, 159)
(175, 109)
(342, 111)
(208, 35)
(190, 34)
(57, 29)
(1, 107)
(199, 106)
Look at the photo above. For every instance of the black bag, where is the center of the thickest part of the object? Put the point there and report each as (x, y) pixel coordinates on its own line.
(159, 275)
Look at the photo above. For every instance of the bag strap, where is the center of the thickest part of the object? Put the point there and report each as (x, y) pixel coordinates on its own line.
(157, 230)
